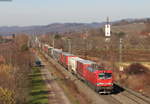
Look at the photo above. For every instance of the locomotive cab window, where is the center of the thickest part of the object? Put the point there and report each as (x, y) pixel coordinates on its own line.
(105, 75)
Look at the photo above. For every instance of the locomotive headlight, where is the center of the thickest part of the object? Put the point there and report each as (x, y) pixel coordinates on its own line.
(104, 83)
(100, 83)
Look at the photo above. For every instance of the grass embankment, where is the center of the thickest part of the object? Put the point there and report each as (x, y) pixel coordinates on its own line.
(38, 89)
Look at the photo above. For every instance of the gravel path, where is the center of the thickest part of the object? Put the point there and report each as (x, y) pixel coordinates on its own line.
(56, 95)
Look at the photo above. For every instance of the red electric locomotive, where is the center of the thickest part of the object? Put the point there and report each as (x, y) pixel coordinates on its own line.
(100, 77)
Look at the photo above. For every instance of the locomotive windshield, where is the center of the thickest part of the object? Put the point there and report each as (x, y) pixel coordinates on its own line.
(105, 75)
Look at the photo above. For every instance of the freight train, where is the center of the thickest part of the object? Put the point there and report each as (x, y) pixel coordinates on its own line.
(97, 76)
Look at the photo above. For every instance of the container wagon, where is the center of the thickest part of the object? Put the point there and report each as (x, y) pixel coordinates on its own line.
(56, 53)
(47, 48)
(72, 64)
(64, 59)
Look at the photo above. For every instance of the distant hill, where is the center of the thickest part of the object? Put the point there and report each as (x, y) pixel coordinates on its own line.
(130, 21)
(56, 27)
(65, 27)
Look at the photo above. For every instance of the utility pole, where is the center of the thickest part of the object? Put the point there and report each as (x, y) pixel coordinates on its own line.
(69, 45)
(120, 50)
(53, 41)
(85, 36)
(121, 35)
(28, 44)
(120, 54)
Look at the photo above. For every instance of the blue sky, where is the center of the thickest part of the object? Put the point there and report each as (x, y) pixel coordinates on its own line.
(42, 12)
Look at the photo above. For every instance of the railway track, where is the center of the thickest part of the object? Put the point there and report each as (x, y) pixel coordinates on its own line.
(128, 98)
(119, 96)
(133, 97)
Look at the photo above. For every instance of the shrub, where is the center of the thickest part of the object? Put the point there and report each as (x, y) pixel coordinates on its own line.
(24, 47)
(6, 96)
(136, 68)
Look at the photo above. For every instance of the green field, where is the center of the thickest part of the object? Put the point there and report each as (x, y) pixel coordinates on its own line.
(38, 90)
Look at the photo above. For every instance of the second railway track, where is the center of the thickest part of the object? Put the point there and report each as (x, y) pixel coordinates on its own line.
(132, 97)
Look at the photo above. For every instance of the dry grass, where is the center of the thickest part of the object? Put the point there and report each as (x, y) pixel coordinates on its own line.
(5, 68)
(136, 77)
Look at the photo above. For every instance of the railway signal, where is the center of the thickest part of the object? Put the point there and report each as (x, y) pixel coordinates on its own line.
(107, 30)
(107, 38)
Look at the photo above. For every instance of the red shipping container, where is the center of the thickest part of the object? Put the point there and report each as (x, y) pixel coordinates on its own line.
(82, 67)
(65, 58)
(46, 46)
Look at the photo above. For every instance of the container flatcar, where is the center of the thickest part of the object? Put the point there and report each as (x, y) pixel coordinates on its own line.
(72, 64)
(65, 58)
(47, 48)
(56, 54)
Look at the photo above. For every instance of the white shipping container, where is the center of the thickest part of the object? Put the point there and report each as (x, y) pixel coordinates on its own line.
(72, 63)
